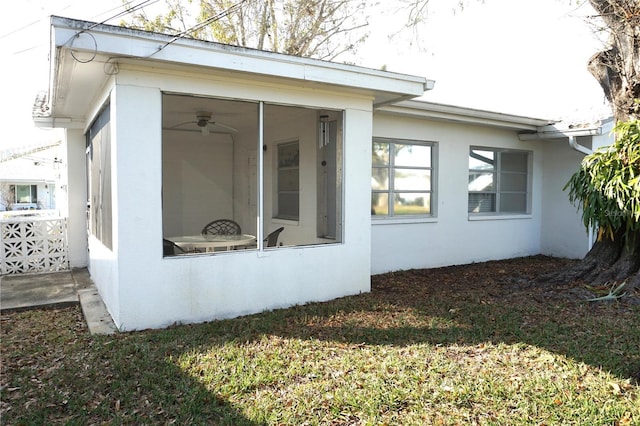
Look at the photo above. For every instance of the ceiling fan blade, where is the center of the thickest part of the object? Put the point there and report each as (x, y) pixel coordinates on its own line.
(199, 131)
(233, 129)
(182, 124)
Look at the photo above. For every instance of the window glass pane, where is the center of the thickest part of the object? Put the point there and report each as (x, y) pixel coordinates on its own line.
(380, 203)
(481, 181)
(412, 180)
(513, 203)
(481, 160)
(288, 206)
(482, 203)
(513, 182)
(288, 180)
(380, 154)
(99, 178)
(411, 203)
(23, 193)
(380, 178)
(513, 161)
(288, 155)
(412, 155)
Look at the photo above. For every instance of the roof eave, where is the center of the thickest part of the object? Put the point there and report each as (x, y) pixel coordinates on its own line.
(452, 113)
(119, 42)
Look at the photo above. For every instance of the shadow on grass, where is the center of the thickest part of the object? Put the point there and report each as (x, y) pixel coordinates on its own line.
(496, 302)
(53, 372)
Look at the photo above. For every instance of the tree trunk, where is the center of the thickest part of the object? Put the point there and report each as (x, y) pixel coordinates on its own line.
(608, 261)
(617, 68)
(634, 281)
(597, 261)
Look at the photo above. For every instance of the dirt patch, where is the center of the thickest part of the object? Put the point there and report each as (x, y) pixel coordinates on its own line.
(513, 280)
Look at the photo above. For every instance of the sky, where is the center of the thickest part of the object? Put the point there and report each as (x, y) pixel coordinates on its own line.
(523, 57)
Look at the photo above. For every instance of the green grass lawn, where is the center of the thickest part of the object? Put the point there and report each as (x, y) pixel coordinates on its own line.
(474, 344)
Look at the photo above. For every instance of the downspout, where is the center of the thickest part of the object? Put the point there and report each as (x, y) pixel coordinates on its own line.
(573, 143)
(572, 135)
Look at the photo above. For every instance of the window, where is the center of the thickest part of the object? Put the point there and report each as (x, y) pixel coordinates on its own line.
(401, 178)
(26, 193)
(262, 165)
(499, 181)
(288, 181)
(99, 178)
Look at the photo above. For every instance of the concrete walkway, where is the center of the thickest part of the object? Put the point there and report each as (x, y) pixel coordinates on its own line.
(57, 289)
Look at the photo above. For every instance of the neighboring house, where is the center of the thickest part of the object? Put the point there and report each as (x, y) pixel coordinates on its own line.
(166, 134)
(30, 176)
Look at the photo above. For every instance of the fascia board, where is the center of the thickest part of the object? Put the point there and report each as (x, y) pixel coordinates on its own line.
(463, 115)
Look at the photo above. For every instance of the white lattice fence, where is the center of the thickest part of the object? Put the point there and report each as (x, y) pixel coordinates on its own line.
(33, 244)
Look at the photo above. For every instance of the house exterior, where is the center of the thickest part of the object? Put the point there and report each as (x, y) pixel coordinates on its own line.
(31, 177)
(167, 134)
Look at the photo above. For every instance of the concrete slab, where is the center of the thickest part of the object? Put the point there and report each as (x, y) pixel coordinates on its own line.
(56, 289)
(24, 291)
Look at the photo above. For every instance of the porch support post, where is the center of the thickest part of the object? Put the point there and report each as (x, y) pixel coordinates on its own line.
(75, 192)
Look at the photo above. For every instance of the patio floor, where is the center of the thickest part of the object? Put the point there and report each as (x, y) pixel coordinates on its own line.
(51, 290)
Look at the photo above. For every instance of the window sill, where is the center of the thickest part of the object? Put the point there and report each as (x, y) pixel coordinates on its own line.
(281, 221)
(401, 220)
(500, 217)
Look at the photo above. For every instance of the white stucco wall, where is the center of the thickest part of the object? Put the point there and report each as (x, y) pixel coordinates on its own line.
(76, 197)
(142, 289)
(563, 234)
(452, 237)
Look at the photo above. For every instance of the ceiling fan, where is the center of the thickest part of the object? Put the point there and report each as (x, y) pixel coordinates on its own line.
(203, 121)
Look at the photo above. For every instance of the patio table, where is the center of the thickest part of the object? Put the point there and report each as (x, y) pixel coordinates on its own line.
(211, 242)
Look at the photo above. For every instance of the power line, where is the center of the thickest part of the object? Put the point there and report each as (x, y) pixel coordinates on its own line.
(202, 24)
(117, 15)
(19, 29)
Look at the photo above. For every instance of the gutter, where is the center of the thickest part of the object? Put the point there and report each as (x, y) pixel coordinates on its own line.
(570, 134)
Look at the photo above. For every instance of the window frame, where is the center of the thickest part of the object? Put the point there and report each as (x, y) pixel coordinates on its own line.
(498, 177)
(392, 171)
